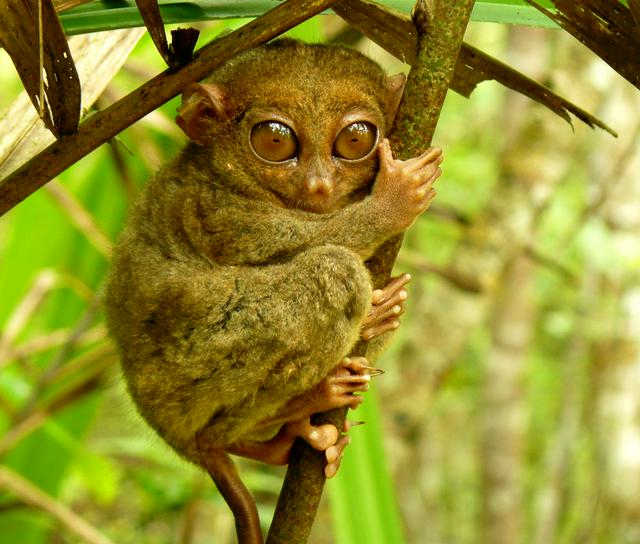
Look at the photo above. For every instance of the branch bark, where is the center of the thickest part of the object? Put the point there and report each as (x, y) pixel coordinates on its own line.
(103, 126)
(440, 26)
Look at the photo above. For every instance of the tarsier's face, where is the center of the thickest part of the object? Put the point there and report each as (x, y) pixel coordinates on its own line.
(302, 122)
(313, 160)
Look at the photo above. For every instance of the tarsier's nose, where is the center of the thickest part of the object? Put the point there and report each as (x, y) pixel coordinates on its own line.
(319, 185)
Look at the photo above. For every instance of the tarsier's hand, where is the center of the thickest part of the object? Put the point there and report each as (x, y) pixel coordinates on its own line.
(406, 187)
(387, 305)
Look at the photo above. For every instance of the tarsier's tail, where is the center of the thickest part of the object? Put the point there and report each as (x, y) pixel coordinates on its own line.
(224, 474)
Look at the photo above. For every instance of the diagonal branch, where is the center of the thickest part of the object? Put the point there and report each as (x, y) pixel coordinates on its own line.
(440, 28)
(104, 125)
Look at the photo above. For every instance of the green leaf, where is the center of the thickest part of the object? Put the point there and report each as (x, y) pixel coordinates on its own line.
(363, 502)
(111, 14)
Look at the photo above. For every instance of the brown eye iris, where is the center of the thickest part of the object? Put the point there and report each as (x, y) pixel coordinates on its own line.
(355, 141)
(274, 141)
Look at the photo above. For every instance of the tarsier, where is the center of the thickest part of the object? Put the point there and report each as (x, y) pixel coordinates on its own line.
(239, 283)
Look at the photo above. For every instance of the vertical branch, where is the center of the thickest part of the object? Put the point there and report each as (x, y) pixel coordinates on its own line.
(440, 28)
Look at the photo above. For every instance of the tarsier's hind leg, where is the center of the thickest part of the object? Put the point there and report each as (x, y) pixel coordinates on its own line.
(288, 326)
(339, 389)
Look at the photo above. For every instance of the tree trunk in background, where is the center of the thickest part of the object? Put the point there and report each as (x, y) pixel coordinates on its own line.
(525, 177)
(503, 412)
(617, 348)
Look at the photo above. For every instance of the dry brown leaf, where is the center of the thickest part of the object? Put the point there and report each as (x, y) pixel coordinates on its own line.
(35, 42)
(98, 57)
(607, 27)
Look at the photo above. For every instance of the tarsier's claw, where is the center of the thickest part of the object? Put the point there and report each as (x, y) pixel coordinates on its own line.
(373, 371)
(350, 424)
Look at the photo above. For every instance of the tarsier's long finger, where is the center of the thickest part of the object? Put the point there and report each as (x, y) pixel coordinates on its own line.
(432, 156)
(353, 401)
(334, 456)
(427, 184)
(387, 307)
(380, 328)
(428, 198)
(343, 379)
(355, 364)
(384, 151)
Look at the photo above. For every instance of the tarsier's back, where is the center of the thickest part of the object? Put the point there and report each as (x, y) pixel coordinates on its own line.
(238, 284)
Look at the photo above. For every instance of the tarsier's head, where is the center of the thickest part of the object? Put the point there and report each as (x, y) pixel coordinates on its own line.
(304, 121)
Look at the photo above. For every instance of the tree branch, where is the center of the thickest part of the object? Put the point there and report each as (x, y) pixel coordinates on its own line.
(440, 28)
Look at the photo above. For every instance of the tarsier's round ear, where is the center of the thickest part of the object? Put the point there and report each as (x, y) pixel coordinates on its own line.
(395, 88)
(200, 102)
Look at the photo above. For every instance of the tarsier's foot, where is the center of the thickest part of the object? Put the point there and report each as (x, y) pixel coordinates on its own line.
(276, 451)
(387, 305)
(337, 390)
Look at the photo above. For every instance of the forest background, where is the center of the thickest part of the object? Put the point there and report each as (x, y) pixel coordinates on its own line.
(509, 411)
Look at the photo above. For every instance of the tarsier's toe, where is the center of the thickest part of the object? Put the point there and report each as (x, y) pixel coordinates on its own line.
(371, 332)
(354, 401)
(360, 366)
(322, 437)
(334, 456)
(387, 305)
(355, 364)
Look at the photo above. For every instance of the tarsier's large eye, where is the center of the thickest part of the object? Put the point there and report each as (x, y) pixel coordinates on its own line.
(355, 141)
(274, 141)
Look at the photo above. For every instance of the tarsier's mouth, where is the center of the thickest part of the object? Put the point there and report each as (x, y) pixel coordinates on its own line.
(314, 205)
(317, 207)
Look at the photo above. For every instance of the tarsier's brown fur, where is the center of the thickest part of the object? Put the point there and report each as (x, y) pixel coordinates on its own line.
(238, 285)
